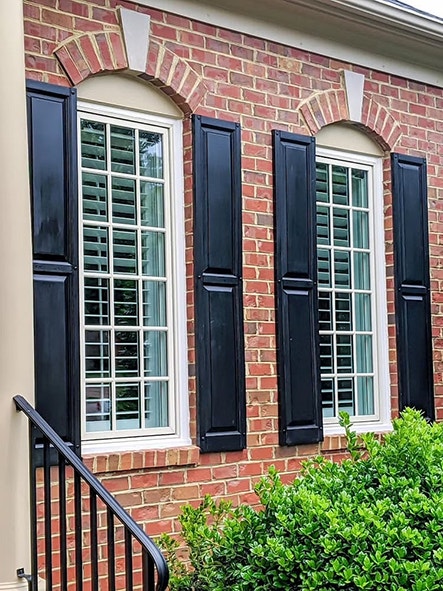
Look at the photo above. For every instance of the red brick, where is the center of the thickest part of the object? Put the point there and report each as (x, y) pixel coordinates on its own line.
(104, 51)
(118, 483)
(50, 17)
(179, 49)
(186, 493)
(118, 51)
(87, 26)
(72, 7)
(68, 65)
(39, 30)
(32, 44)
(77, 57)
(172, 478)
(104, 16)
(90, 53)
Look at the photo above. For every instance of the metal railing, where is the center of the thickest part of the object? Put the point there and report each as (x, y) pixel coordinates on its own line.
(82, 538)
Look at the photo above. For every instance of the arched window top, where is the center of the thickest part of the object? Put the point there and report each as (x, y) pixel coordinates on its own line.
(339, 136)
(124, 91)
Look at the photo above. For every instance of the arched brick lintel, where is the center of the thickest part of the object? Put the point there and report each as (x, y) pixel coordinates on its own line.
(331, 106)
(94, 53)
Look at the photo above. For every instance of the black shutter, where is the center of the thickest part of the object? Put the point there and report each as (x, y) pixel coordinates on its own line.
(296, 289)
(218, 292)
(53, 158)
(413, 307)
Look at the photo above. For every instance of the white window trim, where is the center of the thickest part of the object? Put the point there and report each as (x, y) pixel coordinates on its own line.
(180, 435)
(382, 387)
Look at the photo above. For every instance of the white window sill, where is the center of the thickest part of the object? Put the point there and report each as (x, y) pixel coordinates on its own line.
(128, 444)
(331, 429)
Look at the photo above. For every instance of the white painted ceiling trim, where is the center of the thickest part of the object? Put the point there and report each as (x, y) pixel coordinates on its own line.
(371, 33)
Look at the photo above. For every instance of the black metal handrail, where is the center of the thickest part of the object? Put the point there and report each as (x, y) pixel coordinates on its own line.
(153, 568)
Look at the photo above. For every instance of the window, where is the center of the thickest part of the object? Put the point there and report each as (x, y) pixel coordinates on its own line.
(351, 287)
(131, 274)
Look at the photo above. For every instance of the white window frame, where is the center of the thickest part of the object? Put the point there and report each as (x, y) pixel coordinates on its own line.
(177, 433)
(382, 391)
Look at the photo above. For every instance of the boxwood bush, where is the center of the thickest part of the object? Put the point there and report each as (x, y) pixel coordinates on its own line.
(372, 522)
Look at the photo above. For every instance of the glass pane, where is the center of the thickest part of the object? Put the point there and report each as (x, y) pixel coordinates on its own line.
(359, 188)
(342, 268)
(361, 229)
(156, 404)
(325, 310)
(365, 393)
(328, 398)
(122, 150)
(341, 227)
(345, 391)
(322, 183)
(125, 302)
(125, 251)
(343, 311)
(340, 189)
(361, 270)
(152, 204)
(324, 267)
(154, 303)
(364, 353)
(95, 248)
(126, 354)
(96, 300)
(94, 193)
(323, 235)
(97, 353)
(123, 201)
(344, 354)
(151, 154)
(93, 144)
(156, 360)
(127, 406)
(98, 407)
(363, 311)
(153, 254)
(326, 353)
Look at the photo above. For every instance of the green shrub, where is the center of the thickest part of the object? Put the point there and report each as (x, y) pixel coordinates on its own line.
(373, 522)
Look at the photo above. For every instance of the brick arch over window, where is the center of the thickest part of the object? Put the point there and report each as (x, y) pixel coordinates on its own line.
(94, 53)
(331, 106)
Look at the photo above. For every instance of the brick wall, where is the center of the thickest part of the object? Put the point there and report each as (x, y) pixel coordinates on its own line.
(263, 86)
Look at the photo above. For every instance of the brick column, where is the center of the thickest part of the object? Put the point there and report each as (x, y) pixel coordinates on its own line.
(16, 327)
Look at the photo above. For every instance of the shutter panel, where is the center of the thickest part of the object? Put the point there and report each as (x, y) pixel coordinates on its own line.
(413, 307)
(219, 297)
(296, 289)
(53, 157)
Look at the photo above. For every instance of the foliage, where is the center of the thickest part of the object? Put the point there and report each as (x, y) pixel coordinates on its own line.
(373, 522)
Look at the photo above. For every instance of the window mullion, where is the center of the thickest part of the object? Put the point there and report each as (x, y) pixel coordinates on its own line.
(140, 282)
(333, 306)
(111, 282)
(352, 287)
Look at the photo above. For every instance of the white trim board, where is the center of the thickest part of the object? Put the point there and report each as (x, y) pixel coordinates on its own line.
(371, 33)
